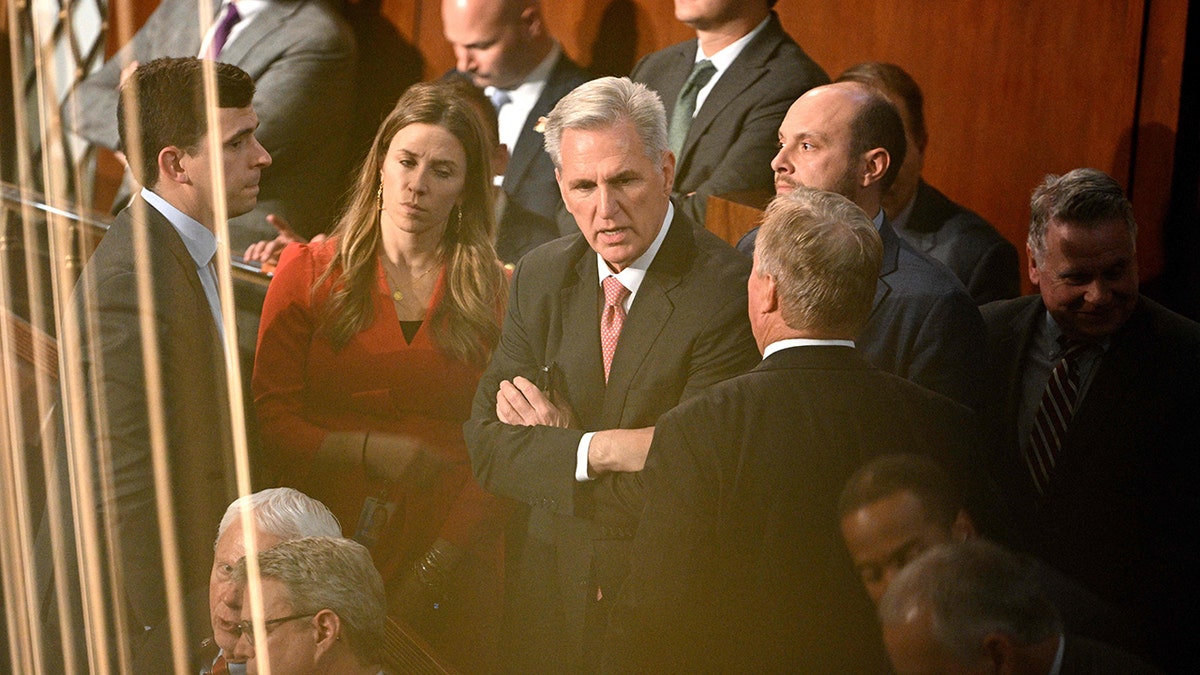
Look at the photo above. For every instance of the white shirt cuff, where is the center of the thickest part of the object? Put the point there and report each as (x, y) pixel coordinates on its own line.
(581, 458)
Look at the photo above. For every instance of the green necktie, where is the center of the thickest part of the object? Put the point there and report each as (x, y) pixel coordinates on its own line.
(685, 107)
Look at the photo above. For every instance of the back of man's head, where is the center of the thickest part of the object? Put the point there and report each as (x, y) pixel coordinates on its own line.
(824, 255)
(940, 497)
(331, 573)
(877, 124)
(963, 594)
(169, 104)
(604, 103)
(897, 85)
(283, 513)
(1084, 197)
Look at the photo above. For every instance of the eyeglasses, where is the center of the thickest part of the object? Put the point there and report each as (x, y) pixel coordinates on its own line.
(246, 628)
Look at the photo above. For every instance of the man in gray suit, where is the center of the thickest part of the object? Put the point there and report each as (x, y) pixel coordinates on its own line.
(725, 141)
(952, 234)
(606, 330)
(301, 54)
(847, 138)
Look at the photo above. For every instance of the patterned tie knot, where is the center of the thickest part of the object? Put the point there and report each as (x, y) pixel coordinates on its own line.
(614, 292)
(702, 72)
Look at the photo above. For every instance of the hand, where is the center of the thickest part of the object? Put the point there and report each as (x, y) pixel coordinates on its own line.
(619, 450)
(400, 458)
(520, 402)
(268, 251)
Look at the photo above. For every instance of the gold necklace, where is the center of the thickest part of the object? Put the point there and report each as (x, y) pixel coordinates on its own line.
(397, 294)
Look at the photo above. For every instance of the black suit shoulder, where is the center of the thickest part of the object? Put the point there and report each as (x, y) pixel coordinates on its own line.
(979, 256)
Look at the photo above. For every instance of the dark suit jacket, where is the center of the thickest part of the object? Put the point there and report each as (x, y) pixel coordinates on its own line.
(687, 328)
(1082, 656)
(529, 179)
(738, 565)
(735, 133)
(195, 404)
(302, 55)
(1122, 495)
(982, 259)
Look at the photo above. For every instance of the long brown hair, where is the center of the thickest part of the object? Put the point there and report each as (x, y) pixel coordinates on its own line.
(465, 324)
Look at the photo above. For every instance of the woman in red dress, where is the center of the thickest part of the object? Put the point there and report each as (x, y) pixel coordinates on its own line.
(369, 351)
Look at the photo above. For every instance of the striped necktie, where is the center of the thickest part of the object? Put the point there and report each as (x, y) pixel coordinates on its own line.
(1054, 414)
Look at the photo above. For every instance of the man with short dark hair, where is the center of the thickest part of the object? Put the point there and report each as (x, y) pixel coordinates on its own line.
(736, 565)
(605, 330)
(979, 256)
(975, 608)
(302, 57)
(172, 222)
(924, 327)
(725, 94)
(1095, 417)
(323, 609)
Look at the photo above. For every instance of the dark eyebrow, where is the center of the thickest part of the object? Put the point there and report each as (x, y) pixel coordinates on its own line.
(241, 134)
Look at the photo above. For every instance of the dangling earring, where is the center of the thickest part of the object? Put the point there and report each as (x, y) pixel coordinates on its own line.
(379, 197)
(459, 218)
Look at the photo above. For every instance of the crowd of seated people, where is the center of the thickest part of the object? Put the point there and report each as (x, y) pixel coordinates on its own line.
(575, 431)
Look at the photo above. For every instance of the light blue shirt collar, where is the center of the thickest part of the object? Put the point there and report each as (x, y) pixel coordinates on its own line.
(780, 345)
(201, 243)
(631, 277)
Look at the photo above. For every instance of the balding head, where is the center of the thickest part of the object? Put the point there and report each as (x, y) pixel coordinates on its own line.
(496, 43)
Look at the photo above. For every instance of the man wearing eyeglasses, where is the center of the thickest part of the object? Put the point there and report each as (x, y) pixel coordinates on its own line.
(323, 610)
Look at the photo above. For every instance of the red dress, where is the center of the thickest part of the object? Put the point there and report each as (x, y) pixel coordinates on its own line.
(304, 389)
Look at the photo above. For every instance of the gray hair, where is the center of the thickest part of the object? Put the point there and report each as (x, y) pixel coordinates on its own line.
(330, 573)
(605, 103)
(284, 513)
(824, 254)
(971, 590)
(1084, 197)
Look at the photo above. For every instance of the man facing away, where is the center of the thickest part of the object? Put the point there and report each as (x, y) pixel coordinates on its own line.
(736, 565)
(505, 48)
(847, 138)
(983, 260)
(605, 330)
(172, 158)
(1096, 414)
(725, 94)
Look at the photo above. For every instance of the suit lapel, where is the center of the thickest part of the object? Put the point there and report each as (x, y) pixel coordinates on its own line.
(242, 53)
(648, 317)
(745, 70)
(162, 235)
(529, 143)
(579, 349)
(888, 266)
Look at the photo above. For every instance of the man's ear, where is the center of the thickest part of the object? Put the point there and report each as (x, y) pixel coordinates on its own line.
(875, 165)
(329, 630)
(963, 527)
(668, 169)
(171, 166)
(768, 293)
(999, 652)
(531, 20)
(1034, 274)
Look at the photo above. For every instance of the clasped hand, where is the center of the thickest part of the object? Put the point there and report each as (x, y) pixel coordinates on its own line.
(521, 403)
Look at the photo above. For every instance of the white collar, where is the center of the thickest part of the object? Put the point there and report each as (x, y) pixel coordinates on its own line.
(201, 243)
(789, 343)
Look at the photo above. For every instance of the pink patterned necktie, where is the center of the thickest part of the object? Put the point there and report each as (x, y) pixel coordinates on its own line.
(1054, 414)
(612, 321)
(221, 35)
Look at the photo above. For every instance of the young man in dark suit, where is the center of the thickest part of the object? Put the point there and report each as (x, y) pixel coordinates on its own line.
(505, 48)
(726, 142)
(1096, 414)
(606, 330)
(161, 355)
(737, 565)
